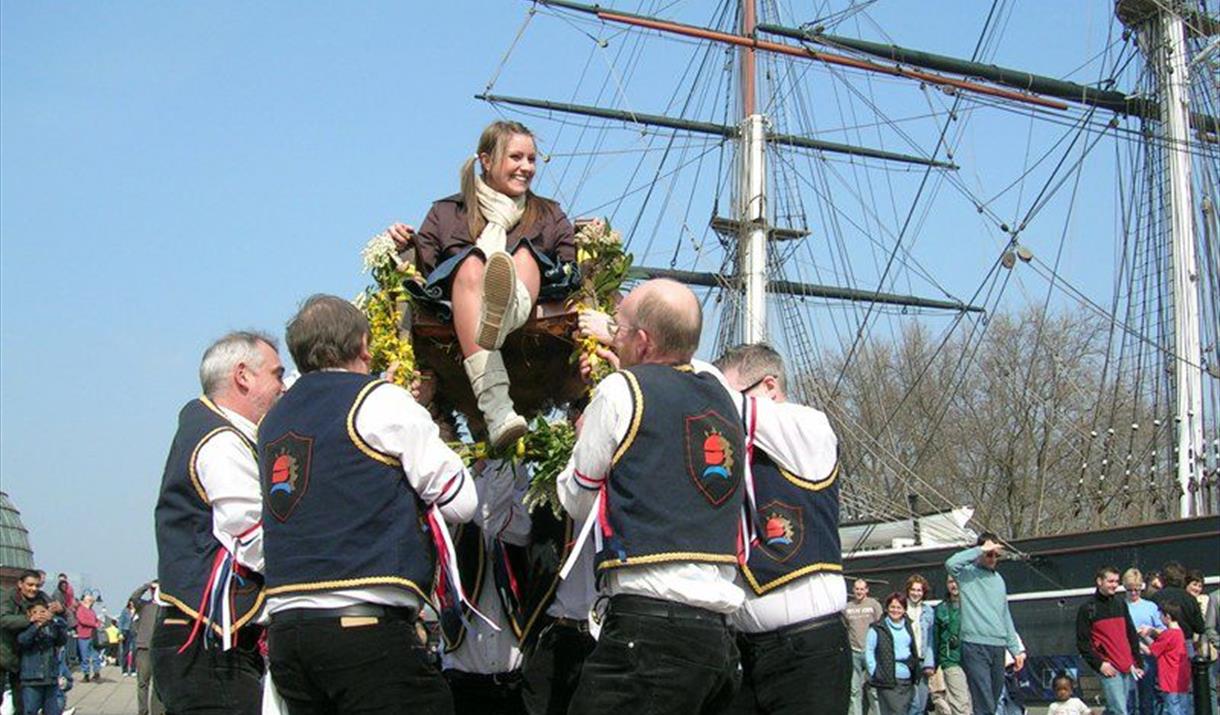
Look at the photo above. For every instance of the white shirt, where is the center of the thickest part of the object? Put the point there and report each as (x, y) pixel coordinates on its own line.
(392, 422)
(799, 439)
(606, 422)
(501, 514)
(228, 472)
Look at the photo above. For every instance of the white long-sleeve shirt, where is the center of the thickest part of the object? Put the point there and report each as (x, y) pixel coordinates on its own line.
(500, 515)
(228, 473)
(391, 422)
(799, 439)
(606, 421)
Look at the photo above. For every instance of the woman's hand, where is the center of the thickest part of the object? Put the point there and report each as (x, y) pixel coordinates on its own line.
(423, 388)
(403, 235)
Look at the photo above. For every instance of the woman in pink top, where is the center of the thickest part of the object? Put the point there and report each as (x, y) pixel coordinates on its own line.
(86, 623)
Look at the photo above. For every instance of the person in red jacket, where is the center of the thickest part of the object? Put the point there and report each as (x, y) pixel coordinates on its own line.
(86, 623)
(1172, 665)
(1106, 639)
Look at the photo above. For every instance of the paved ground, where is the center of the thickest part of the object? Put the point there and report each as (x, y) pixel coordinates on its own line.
(113, 695)
(116, 695)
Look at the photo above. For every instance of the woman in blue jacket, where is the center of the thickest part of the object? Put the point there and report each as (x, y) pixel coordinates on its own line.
(891, 657)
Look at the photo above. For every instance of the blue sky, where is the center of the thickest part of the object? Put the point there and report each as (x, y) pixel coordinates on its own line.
(171, 171)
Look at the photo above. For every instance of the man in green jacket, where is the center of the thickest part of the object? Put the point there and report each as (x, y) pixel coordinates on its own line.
(955, 698)
(986, 628)
(13, 620)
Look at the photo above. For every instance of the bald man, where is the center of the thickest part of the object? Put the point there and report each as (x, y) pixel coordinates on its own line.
(659, 463)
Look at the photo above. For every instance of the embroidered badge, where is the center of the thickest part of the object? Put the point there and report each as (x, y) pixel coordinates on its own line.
(711, 458)
(781, 531)
(285, 471)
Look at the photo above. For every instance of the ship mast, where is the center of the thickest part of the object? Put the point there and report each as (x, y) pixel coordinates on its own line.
(1163, 35)
(752, 194)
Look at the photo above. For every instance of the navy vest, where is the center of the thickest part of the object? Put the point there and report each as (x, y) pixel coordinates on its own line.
(673, 492)
(337, 514)
(797, 523)
(186, 549)
(535, 568)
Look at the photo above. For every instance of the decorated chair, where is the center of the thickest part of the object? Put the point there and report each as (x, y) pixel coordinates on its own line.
(541, 357)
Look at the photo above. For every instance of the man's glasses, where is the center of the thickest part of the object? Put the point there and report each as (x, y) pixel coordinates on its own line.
(755, 384)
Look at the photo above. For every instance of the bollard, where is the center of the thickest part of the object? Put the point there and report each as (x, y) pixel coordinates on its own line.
(1200, 684)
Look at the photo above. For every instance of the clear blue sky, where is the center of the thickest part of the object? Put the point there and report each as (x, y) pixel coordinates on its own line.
(171, 171)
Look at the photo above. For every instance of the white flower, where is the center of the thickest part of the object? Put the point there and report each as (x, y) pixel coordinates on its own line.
(378, 252)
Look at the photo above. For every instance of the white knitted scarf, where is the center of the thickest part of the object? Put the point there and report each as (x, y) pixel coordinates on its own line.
(501, 212)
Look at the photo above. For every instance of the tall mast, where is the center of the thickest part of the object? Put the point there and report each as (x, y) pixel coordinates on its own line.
(752, 194)
(1164, 35)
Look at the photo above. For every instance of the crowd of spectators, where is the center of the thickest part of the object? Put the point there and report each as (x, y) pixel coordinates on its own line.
(1136, 635)
(47, 640)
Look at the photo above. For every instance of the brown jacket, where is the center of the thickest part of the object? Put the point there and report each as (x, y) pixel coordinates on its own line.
(445, 233)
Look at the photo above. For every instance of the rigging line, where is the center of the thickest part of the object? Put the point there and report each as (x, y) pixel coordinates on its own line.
(708, 51)
(697, 141)
(529, 15)
(1087, 302)
(1046, 303)
(643, 186)
(834, 207)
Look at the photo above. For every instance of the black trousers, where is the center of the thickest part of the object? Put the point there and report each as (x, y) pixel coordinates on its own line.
(658, 656)
(202, 681)
(485, 694)
(804, 668)
(321, 666)
(553, 668)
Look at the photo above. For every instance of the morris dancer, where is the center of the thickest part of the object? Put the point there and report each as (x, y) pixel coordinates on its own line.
(659, 463)
(209, 535)
(794, 646)
(482, 664)
(348, 463)
(487, 248)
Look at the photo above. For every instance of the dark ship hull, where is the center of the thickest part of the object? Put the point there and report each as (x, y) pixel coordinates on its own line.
(1047, 585)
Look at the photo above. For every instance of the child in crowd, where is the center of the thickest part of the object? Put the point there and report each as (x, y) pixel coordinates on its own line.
(1172, 664)
(1066, 702)
(38, 647)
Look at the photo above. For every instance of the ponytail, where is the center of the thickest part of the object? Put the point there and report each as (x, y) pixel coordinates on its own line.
(470, 197)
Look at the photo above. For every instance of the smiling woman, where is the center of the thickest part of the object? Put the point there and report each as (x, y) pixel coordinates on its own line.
(488, 249)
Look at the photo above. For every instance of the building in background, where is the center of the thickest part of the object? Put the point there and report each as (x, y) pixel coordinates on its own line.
(15, 552)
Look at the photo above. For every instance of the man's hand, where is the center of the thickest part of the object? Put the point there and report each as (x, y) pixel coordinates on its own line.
(1019, 662)
(403, 235)
(586, 370)
(597, 325)
(1137, 673)
(928, 672)
(1107, 670)
(56, 607)
(991, 547)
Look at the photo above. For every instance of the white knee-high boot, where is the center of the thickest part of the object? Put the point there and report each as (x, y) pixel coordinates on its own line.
(489, 380)
(506, 302)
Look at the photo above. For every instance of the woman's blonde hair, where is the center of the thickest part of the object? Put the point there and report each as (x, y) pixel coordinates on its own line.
(494, 142)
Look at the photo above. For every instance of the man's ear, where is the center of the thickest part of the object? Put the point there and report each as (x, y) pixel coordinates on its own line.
(241, 377)
(365, 355)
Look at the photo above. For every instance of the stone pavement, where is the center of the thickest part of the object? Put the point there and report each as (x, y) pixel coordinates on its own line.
(113, 695)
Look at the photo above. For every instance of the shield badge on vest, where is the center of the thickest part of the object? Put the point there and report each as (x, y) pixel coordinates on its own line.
(780, 530)
(711, 455)
(285, 473)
